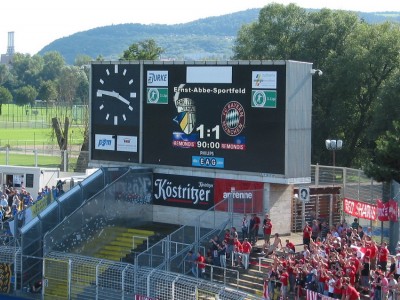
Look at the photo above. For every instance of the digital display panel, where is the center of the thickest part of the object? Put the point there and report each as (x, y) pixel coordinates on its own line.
(221, 117)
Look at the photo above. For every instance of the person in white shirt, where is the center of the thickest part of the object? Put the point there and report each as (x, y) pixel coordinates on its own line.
(3, 201)
(397, 272)
(331, 284)
(392, 286)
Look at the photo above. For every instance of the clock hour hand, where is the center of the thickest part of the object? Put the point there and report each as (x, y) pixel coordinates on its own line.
(122, 99)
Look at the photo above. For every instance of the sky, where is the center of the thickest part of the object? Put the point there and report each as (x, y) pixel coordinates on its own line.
(37, 23)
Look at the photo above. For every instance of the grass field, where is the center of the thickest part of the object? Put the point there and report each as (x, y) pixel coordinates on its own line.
(11, 113)
(21, 137)
(25, 160)
(22, 126)
(24, 129)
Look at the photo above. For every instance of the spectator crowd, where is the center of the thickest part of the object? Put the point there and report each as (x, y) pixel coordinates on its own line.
(14, 200)
(336, 262)
(333, 262)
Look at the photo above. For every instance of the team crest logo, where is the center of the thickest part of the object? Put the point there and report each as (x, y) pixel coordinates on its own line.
(233, 118)
(186, 117)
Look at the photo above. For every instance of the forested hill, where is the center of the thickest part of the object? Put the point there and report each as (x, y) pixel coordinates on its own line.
(209, 38)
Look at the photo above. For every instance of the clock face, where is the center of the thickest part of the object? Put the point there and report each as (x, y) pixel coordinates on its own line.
(114, 94)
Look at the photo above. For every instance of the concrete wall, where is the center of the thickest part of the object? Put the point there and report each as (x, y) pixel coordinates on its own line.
(280, 207)
(186, 216)
(277, 202)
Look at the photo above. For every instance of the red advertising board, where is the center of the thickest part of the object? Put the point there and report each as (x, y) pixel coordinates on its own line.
(360, 209)
(204, 193)
(387, 211)
(247, 195)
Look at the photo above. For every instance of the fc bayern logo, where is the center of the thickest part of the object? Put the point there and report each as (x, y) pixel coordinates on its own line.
(233, 118)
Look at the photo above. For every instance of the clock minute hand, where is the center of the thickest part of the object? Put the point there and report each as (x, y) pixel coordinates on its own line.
(100, 93)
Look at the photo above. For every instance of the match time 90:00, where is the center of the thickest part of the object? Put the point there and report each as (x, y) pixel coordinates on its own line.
(208, 145)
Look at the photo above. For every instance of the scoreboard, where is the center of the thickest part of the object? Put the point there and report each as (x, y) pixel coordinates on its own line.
(220, 117)
(229, 117)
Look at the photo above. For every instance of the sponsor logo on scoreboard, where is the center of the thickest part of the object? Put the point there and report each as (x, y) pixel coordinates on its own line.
(208, 162)
(182, 140)
(157, 78)
(264, 79)
(157, 96)
(263, 98)
(127, 143)
(104, 142)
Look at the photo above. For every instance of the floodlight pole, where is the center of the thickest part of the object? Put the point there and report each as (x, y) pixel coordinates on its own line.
(333, 145)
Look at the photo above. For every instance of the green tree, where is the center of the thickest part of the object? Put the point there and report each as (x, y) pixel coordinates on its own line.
(7, 79)
(27, 69)
(144, 50)
(25, 95)
(358, 77)
(5, 97)
(70, 80)
(5, 74)
(53, 65)
(385, 164)
(357, 59)
(48, 90)
(82, 60)
(279, 33)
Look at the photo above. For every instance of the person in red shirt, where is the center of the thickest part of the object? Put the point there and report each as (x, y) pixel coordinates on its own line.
(246, 247)
(383, 256)
(307, 230)
(237, 251)
(290, 247)
(373, 253)
(267, 227)
(350, 292)
(254, 227)
(337, 287)
(201, 266)
(284, 279)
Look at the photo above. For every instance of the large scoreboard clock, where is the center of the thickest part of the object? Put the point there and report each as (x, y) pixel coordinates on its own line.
(114, 95)
(115, 111)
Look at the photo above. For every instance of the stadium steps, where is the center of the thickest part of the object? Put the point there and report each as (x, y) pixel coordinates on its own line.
(110, 240)
(250, 281)
(122, 243)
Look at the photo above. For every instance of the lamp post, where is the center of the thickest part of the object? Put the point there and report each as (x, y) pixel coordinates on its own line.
(333, 145)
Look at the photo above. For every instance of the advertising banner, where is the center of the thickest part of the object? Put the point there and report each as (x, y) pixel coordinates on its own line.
(360, 209)
(247, 196)
(204, 193)
(387, 211)
(183, 191)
